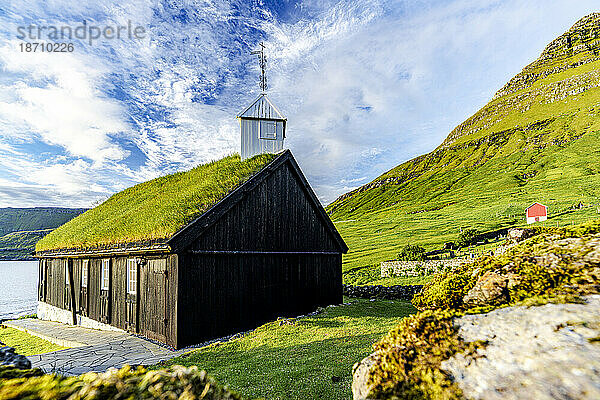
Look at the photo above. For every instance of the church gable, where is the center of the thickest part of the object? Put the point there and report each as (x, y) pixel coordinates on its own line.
(278, 214)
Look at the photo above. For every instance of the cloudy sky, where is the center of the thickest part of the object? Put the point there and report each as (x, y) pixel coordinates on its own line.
(365, 85)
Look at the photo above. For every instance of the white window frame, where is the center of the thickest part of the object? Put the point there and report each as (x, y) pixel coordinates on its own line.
(132, 276)
(267, 135)
(67, 273)
(105, 276)
(85, 265)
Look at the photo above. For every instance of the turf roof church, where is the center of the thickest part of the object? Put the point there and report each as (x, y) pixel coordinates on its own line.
(197, 255)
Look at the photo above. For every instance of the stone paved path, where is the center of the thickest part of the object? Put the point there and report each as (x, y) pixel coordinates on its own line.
(93, 350)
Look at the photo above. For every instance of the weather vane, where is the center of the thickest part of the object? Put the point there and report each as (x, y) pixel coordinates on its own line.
(262, 62)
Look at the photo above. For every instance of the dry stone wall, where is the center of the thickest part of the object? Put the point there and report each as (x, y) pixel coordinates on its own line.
(396, 292)
(420, 268)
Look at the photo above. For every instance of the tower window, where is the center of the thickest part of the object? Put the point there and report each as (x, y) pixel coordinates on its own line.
(268, 130)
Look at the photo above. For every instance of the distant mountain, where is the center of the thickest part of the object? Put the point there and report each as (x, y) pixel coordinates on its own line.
(536, 140)
(20, 245)
(21, 228)
(33, 219)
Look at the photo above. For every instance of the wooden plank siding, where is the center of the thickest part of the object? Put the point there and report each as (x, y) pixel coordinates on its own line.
(55, 282)
(52, 290)
(287, 263)
(94, 288)
(225, 294)
(275, 216)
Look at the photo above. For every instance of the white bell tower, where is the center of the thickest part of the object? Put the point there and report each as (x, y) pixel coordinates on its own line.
(262, 126)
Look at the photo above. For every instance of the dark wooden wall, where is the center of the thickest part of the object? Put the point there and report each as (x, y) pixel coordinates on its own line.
(288, 264)
(151, 298)
(55, 282)
(223, 294)
(275, 216)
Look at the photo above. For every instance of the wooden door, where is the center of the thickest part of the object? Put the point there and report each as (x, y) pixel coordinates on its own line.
(105, 287)
(83, 288)
(43, 272)
(154, 300)
(67, 286)
(131, 296)
(131, 304)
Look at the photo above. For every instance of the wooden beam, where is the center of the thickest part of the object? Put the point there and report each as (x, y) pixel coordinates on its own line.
(263, 252)
(104, 253)
(71, 284)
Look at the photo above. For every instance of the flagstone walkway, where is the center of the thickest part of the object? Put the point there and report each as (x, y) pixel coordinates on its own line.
(92, 350)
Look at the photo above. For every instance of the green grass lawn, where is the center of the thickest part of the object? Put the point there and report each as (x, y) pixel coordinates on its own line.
(25, 343)
(302, 360)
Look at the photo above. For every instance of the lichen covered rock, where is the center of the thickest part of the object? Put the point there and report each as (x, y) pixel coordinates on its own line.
(548, 265)
(545, 352)
(360, 377)
(468, 342)
(490, 288)
(10, 358)
(406, 362)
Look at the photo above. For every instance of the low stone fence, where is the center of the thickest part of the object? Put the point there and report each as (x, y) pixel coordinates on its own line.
(420, 268)
(396, 292)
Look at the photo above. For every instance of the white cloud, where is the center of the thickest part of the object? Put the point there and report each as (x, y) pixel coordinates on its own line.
(56, 97)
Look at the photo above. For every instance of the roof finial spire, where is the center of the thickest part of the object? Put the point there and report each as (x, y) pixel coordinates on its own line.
(262, 62)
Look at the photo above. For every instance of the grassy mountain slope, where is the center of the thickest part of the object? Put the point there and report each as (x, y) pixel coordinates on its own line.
(20, 245)
(536, 140)
(21, 228)
(33, 219)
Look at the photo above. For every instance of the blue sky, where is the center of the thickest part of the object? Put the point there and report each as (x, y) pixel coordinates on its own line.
(365, 85)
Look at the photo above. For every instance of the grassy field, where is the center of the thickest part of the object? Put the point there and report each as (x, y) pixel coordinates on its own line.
(25, 343)
(379, 234)
(536, 141)
(156, 209)
(311, 358)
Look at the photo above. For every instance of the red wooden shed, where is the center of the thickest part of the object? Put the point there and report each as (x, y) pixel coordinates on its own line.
(536, 212)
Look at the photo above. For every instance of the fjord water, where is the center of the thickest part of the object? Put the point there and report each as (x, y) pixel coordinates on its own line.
(18, 288)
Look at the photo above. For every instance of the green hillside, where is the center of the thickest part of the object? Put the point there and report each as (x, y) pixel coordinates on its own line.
(536, 140)
(20, 245)
(21, 228)
(33, 219)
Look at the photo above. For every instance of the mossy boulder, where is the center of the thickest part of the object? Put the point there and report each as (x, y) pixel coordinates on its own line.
(490, 289)
(407, 360)
(555, 265)
(445, 291)
(10, 372)
(176, 382)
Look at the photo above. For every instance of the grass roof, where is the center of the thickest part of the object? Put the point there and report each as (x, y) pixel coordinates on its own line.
(155, 210)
